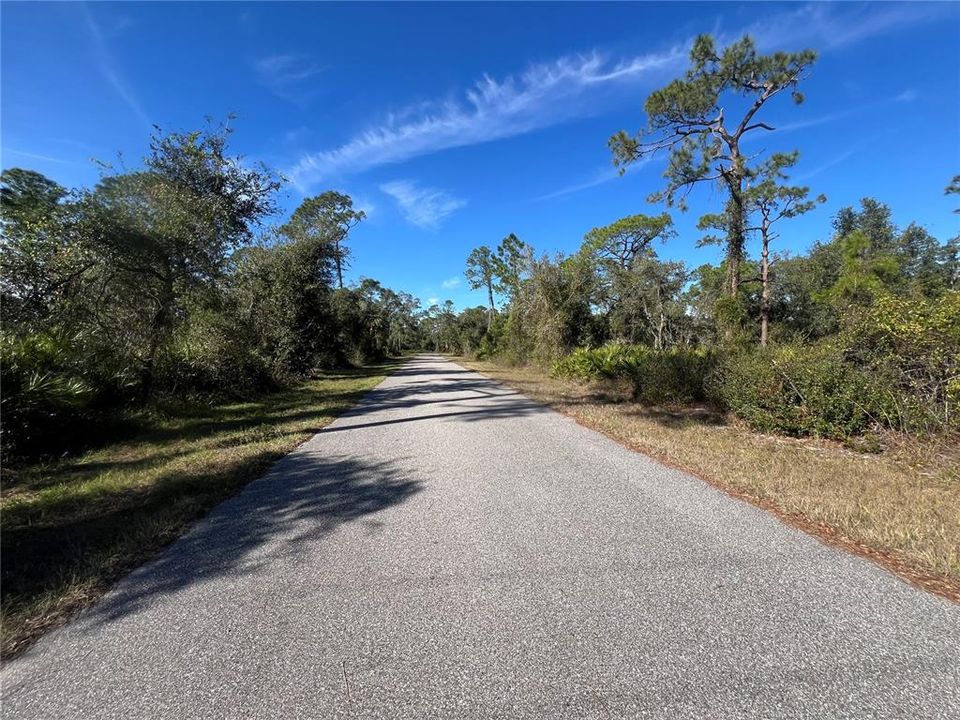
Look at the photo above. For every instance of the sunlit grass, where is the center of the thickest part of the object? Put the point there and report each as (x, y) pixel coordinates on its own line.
(71, 528)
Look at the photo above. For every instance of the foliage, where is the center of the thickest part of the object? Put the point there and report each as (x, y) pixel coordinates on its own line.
(552, 314)
(628, 238)
(896, 367)
(798, 390)
(327, 220)
(688, 120)
(513, 262)
(151, 284)
(43, 391)
(912, 345)
(482, 275)
(656, 376)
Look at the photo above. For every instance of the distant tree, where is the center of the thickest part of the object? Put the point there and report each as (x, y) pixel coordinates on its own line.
(797, 307)
(512, 263)
(26, 196)
(472, 327)
(624, 240)
(403, 311)
(554, 309)
(873, 219)
(482, 274)
(768, 202)
(41, 260)
(648, 300)
(864, 274)
(632, 284)
(953, 189)
(925, 265)
(688, 118)
(440, 327)
(328, 217)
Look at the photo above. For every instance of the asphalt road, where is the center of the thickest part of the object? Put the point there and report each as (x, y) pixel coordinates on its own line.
(451, 549)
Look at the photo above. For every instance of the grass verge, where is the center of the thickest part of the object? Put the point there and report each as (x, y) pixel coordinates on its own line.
(901, 508)
(72, 528)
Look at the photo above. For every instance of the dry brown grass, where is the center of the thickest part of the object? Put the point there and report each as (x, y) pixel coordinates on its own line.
(901, 507)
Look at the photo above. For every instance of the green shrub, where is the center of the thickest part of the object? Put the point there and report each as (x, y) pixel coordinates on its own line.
(211, 355)
(673, 376)
(603, 363)
(800, 390)
(656, 376)
(912, 346)
(44, 394)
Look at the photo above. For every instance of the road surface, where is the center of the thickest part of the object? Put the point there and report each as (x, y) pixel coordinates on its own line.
(449, 548)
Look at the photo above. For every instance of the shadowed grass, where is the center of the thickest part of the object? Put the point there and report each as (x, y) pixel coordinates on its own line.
(900, 507)
(71, 528)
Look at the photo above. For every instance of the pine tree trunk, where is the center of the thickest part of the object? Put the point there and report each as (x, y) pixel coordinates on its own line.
(339, 265)
(493, 308)
(736, 238)
(736, 229)
(765, 295)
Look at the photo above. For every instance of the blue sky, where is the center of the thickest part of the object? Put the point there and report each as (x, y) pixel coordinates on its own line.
(456, 124)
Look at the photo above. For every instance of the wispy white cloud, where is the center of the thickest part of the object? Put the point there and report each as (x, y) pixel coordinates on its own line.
(867, 142)
(600, 177)
(906, 96)
(832, 162)
(451, 283)
(364, 204)
(830, 26)
(546, 94)
(285, 74)
(424, 207)
(433, 301)
(575, 86)
(35, 156)
(108, 67)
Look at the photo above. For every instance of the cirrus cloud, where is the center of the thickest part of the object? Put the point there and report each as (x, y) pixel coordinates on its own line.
(424, 207)
(546, 94)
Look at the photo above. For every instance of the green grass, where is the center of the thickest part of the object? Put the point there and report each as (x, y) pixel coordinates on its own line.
(73, 527)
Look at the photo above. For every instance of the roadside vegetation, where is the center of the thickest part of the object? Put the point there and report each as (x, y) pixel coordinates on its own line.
(854, 339)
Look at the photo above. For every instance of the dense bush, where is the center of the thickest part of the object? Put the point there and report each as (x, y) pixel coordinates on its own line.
(43, 391)
(211, 355)
(896, 366)
(656, 376)
(799, 390)
(912, 346)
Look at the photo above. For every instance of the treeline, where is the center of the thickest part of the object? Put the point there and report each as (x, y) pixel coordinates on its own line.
(860, 333)
(170, 281)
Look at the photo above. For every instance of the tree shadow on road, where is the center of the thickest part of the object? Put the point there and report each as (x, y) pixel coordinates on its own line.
(299, 501)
